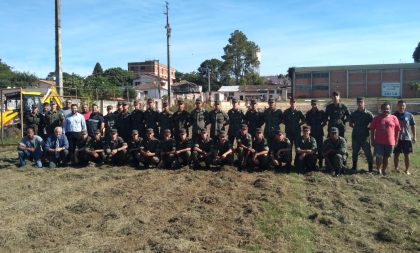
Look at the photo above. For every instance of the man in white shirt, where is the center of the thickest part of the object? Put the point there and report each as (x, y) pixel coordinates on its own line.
(73, 126)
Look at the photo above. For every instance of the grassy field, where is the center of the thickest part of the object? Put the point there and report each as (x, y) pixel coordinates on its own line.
(125, 210)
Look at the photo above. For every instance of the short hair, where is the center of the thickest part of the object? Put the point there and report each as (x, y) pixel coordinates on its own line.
(385, 104)
(30, 127)
(74, 105)
(94, 105)
(304, 127)
(58, 128)
(401, 101)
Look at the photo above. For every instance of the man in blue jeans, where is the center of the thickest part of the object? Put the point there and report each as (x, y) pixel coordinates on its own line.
(30, 147)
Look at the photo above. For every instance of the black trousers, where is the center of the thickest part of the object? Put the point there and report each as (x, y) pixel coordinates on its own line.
(73, 137)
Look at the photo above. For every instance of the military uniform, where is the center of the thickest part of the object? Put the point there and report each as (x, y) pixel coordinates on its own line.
(123, 125)
(53, 119)
(219, 149)
(236, 118)
(165, 122)
(153, 146)
(199, 119)
(292, 120)
(134, 150)
(218, 120)
(137, 121)
(180, 120)
(33, 120)
(360, 137)
(309, 160)
(151, 119)
(259, 146)
(110, 122)
(81, 152)
(205, 146)
(120, 157)
(184, 158)
(244, 141)
(336, 159)
(272, 119)
(254, 120)
(168, 157)
(337, 115)
(281, 156)
(100, 144)
(316, 120)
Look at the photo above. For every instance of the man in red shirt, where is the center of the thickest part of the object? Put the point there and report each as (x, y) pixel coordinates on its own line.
(385, 130)
(85, 111)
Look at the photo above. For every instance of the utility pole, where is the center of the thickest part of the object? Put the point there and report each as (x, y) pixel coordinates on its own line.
(58, 65)
(158, 63)
(208, 79)
(168, 35)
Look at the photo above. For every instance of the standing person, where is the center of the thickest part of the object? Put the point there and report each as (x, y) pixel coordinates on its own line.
(149, 150)
(95, 122)
(272, 118)
(151, 116)
(137, 119)
(57, 148)
(385, 131)
(218, 120)
(244, 146)
(123, 123)
(116, 149)
(315, 118)
(222, 151)
(183, 149)
(199, 119)
(253, 118)
(280, 151)
(360, 121)
(202, 151)
(119, 108)
(337, 114)
(306, 151)
(335, 152)
(180, 119)
(405, 142)
(85, 111)
(293, 119)
(73, 126)
(165, 119)
(67, 109)
(167, 151)
(33, 119)
(42, 131)
(110, 120)
(30, 146)
(259, 151)
(53, 118)
(236, 118)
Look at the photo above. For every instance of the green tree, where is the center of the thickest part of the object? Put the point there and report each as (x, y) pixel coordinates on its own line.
(193, 77)
(6, 74)
(240, 56)
(119, 76)
(416, 54)
(23, 79)
(414, 86)
(217, 73)
(97, 70)
(252, 78)
(73, 84)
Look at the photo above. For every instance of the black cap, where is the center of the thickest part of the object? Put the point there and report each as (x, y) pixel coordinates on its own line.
(34, 106)
(258, 130)
(277, 132)
(292, 99)
(165, 103)
(253, 101)
(198, 100)
(134, 132)
(244, 126)
(180, 101)
(150, 130)
(217, 102)
(360, 99)
(314, 101)
(333, 130)
(204, 130)
(149, 100)
(124, 103)
(234, 100)
(182, 131)
(119, 103)
(336, 93)
(166, 131)
(114, 131)
(270, 100)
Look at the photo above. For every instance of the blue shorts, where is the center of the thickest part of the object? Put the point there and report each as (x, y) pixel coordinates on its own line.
(404, 146)
(383, 150)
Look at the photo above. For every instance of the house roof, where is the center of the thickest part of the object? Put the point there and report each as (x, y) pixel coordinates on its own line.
(149, 86)
(248, 88)
(277, 80)
(359, 67)
(49, 82)
(232, 88)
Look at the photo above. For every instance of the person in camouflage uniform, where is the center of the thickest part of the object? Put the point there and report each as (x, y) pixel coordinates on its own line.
(110, 120)
(123, 123)
(259, 151)
(236, 118)
(293, 119)
(337, 114)
(81, 156)
(42, 131)
(150, 150)
(315, 118)
(306, 151)
(272, 118)
(165, 119)
(199, 119)
(360, 121)
(167, 151)
(33, 119)
(151, 116)
(116, 149)
(53, 119)
(183, 149)
(253, 118)
(134, 148)
(280, 151)
(180, 119)
(97, 148)
(137, 119)
(244, 146)
(335, 152)
(202, 151)
(222, 151)
(218, 120)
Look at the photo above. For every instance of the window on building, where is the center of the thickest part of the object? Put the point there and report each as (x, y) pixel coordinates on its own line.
(320, 75)
(320, 87)
(303, 87)
(142, 67)
(303, 75)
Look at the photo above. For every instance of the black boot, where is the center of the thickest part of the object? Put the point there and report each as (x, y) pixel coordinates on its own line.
(354, 168)
(370, 167)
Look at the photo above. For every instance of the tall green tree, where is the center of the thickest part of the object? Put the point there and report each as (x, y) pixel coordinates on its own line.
(6, 74)
(24, 79)
(217, 73)
(119, 76)
(240, 56)
(97, 70)
(416, 54)
(252, 78)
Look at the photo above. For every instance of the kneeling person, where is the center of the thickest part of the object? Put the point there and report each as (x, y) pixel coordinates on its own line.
(57, 147)
(116, 149)
(306, 150)
(244, 145)
(335, 152)
(280, 151)
(97, 148)
(183, 148)
(259, 150)
(134, 147)
(167, 150)
(202, 150)
(149, 150)
(222, 151)
(81, 156)
(30, 147)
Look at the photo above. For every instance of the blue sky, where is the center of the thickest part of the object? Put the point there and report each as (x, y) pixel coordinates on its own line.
(289, 32)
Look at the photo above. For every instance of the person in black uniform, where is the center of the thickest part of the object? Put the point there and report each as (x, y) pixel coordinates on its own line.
(180, 119)
(337, 114)
(315, 118)
(123, 123)
(253, 118)
(137, 119)
(165, 120)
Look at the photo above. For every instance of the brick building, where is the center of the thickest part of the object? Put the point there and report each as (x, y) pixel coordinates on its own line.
(380, 80)
(153, 69)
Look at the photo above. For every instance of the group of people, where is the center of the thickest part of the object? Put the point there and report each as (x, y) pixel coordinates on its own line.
(148, 138)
